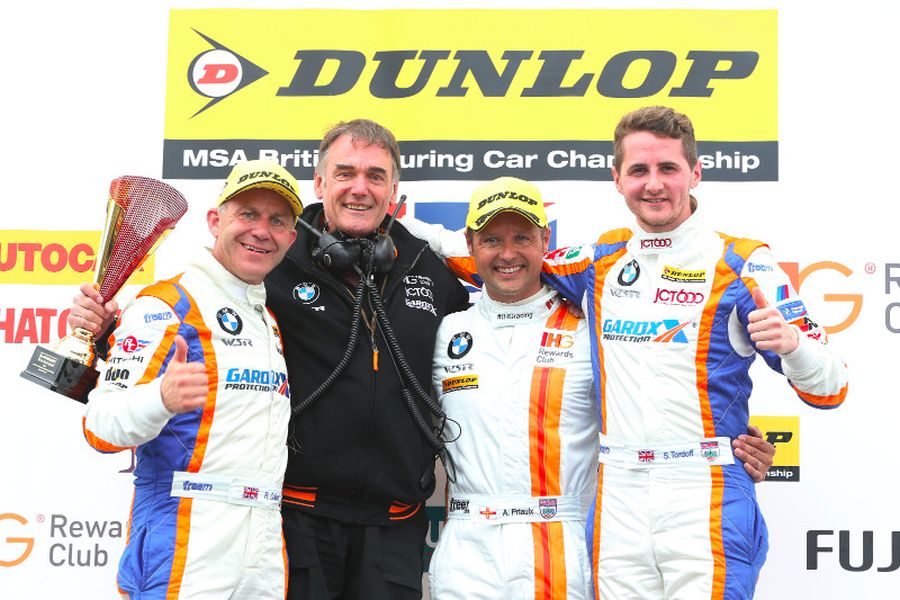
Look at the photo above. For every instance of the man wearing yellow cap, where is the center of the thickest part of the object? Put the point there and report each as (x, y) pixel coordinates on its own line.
(515, 372)
(359, 304)
(678, 313)
(196, 380)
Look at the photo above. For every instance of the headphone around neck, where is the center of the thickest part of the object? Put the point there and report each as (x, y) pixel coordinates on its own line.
(339, 253)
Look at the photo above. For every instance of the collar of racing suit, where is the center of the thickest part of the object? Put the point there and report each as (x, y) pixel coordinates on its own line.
(680, 239)
(534, 308)
(232, 287)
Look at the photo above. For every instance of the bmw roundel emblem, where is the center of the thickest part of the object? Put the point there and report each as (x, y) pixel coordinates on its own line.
(629, 273)
(306, 292)
(229, 321)
(460, 345)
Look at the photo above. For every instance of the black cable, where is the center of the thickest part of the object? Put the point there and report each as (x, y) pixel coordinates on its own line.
(394, 345)
(434, 437)
(352, 341)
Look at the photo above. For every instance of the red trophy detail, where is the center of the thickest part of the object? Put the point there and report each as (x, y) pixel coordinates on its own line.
(140, 212)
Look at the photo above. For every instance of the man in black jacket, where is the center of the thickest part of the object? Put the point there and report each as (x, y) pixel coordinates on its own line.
(355, 489)
(359, 308)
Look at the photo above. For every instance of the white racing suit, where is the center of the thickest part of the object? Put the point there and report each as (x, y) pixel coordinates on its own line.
(517, 378)
(676, 515)
(205, 522)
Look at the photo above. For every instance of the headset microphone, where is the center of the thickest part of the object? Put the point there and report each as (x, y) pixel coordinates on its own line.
(387, 229)
(384, 246)
(339, 253)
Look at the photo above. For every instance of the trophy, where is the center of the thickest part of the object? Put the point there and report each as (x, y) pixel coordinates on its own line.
(140, 212)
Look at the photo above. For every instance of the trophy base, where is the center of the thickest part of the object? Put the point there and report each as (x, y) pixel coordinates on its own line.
(60, 374)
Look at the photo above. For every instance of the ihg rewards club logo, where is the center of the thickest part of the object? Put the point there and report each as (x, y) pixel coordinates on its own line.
(69, 542)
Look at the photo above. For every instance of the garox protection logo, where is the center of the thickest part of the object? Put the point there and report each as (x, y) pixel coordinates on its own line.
(306, 292)
(255, 380)
(623, 330)
(629, 273)
(220, 72)
(229, 321)
(460, 344)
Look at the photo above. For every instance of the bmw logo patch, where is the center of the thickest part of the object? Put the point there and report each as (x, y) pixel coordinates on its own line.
(629, 273)
(460, 345)
(229, 321)
(306, 292)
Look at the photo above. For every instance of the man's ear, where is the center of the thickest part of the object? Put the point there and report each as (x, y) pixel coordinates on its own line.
(615, 176)
(319, 185)
(213, 219)
(545, 235)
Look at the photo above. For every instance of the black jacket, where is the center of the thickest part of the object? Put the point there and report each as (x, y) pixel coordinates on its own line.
(362, 458)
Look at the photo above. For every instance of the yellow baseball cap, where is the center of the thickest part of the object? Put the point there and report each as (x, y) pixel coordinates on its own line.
(505, 194)
(262, 174)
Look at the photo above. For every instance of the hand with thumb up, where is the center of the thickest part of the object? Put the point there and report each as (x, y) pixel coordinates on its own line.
(768, 329)
(185, 385)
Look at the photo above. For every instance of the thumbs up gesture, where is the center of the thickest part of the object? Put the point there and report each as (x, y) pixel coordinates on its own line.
(768, 329)
(185, 385)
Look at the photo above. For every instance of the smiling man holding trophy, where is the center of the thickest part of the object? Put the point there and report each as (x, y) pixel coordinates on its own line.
(140, 212)
(195, 381)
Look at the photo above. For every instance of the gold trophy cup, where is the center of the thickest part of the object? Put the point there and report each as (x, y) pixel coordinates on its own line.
(140, 212)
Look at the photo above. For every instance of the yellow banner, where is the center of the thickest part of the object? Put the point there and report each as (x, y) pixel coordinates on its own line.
(242, 74)
(784, 434)
(55, 258)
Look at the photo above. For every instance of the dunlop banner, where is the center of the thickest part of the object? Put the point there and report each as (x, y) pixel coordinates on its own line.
(470, 94)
